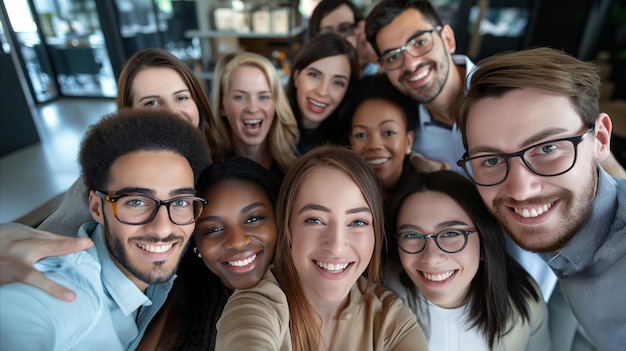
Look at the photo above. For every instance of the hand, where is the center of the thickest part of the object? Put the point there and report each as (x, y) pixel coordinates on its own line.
(421, 163)
(21, 247)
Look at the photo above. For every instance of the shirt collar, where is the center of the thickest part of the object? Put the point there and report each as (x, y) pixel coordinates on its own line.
(579, 252)
(122, 290)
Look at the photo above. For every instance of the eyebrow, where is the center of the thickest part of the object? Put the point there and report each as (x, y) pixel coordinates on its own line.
(251, 92)
(439, 226)
(534, 139)
(315, 207)
(243, 210)
(146, 191)
(379, 124)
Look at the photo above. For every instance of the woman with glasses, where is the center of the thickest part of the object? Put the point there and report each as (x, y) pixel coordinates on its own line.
(466, 291)
(343, 18)
(323, 76)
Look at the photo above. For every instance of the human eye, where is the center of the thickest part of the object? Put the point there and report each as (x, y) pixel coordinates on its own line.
(181, 202)
(359, 223)
(239, 97)
(265, 97)
(254, 219)
(182, 98)
(150, 103)
(134, 202)
(210, 229)
(409, 235)
(392, 56)
(450, 233)
(419, 40)
(360, 135)
(489, 161)
(339, 83)
(389, 133)
(313, 220)
(313, 74)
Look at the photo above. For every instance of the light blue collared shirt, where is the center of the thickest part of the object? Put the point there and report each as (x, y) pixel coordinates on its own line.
(103, 316)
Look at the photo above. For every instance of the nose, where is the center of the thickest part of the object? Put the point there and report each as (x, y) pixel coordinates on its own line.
(161, 224)
(374, 142)
(521, 183)
(410, 63)
(236, 239)
(321, 88)
(253, 106)
(431, 253)
(334, 238)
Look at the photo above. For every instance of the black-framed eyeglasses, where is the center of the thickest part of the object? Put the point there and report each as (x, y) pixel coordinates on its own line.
(548, 159)
(136, 209)
(417, 46)
(447, 240)
(344, 29)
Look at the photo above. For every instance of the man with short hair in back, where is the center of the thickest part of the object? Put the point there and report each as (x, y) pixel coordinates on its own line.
(140, 168)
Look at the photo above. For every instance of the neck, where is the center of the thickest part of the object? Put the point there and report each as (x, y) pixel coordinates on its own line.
(257, 153)
(443, 108)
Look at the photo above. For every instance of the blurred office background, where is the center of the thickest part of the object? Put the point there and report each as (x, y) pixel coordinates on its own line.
(59, 62)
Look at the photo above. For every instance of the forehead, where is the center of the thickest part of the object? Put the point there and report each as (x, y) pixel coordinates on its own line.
(337, 65)
(248, 78)
(161, 171)
(375, 111)
(401, 29)
(342, 14)
(330, 187)
(507, 122)
(430, 208)
(156, 81)
(235, 190)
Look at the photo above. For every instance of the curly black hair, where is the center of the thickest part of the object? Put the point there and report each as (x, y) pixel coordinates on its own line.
(128, 131)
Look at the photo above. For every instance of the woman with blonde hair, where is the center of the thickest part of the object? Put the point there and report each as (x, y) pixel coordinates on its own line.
(252, 113)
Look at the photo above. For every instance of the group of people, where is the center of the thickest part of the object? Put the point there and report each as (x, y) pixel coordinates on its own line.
(298, 217)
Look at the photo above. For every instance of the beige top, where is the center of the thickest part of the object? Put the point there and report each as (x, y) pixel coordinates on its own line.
(258, 319)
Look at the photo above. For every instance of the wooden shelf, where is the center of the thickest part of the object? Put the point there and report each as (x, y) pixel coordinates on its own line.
(221, 34)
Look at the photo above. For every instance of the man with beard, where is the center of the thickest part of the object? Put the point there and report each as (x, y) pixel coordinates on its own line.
(534, 136)
(141, 167)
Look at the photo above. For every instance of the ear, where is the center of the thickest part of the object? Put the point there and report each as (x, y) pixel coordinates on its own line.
(410, 135)
(603, 136)
(95, 207)
(447, 35)
(294, 76)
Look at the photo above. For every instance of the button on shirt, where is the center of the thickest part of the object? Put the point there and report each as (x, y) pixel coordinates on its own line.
(103, 316)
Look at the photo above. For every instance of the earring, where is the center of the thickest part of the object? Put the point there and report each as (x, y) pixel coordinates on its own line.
(195, 250)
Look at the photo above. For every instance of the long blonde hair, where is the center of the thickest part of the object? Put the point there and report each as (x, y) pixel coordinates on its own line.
(283, 135)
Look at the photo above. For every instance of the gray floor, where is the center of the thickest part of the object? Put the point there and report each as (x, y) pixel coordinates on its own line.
(31, 176)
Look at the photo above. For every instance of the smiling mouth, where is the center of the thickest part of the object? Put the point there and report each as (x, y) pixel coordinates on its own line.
(242, 263)
(253, 122)
(378, 161)
(155, 248)
(418, 76)
(439, 277)
(532, 212)
(333, 268)
(317, 103)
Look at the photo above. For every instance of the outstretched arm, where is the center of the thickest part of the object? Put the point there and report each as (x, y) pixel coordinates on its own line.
(21, 247)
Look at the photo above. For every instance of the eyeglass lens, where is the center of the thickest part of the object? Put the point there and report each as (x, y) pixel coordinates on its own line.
(547, 159)
(136, 209)
(417, 46)
(449, 241)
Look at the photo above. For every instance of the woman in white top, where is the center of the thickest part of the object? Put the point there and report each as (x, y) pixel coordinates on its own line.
(466, 291)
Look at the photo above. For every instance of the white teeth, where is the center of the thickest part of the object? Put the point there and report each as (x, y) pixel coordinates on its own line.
(318, 104)
(252, 121)
(332, 268)
(419, 76)
(242, 263)
(377, 161)
(438, 277)
(533, 212)
(155, 248)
